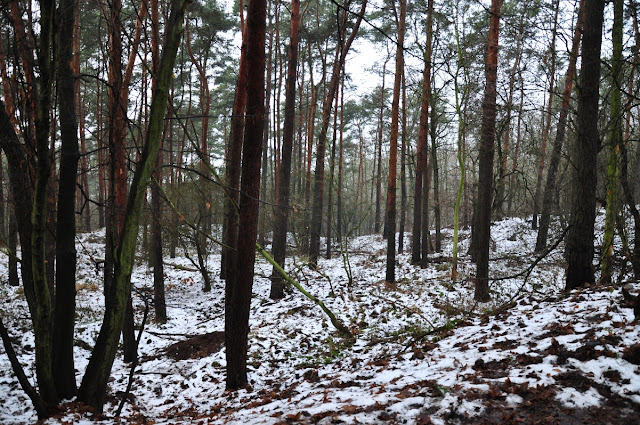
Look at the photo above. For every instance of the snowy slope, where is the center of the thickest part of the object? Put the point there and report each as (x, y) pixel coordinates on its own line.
(423, 351)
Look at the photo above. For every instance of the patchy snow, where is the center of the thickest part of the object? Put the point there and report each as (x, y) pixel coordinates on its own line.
(423, 350)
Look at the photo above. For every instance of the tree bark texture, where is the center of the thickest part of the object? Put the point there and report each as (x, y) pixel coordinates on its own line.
(232, 165)
(284, 179)
(65, 300)
(392, 183)
(423, 143)
(94, 383)
(239, 289)
(615, 142)
(485, 166)
(579, 243)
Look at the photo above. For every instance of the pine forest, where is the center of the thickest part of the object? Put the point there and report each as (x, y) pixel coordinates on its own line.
(319, 212)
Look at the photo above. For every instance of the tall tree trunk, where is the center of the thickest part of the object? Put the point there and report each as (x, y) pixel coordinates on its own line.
(390, 275)
(485, 166)
(65, 300)
(403, 167)
(265, 142)
(318, 182)
(159, 303)
(239, 285)
(502, 181)
(546, 119)
(311, 119)
(284, 179)
(339, 223)
(83, 191)
(624, 155)
(378, 175)
(94, 383)
(42, 317)
(423, 142)
(554, 161)
(615, 142)
(579, 243)
(232, 162)
(332, 168)
(460, 97)
(433, 125)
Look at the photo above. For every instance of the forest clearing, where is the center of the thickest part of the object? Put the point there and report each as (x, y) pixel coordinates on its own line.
(423, 351)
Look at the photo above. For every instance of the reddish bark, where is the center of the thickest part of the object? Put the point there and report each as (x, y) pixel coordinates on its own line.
(485, 166)
(239, 288)
(422, 150)
(393, 150)
(232, 166)
(554, 162)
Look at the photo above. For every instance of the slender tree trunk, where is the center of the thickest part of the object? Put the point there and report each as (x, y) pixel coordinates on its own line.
(232, 166)
(65, 299)
(318, 183)
(83, 192)
(423, 142)
(393, 150)
(310, 134)
(546, 119)
(94, 383)
(554, 161)
(485, 166)
(239, 286)
(615, 141)
(159, 303)
(102, 163)
(403, 167)
(378, 179)
(282, 209)
(339, 223)
(502, 181)
(265, 142)
(516, 152)
(460, 97)
(579, 243)
(42, 316)
(332, 168)
(433, 125)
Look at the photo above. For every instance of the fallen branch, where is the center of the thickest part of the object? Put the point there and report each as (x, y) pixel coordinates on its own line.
(32, 393)
(334, 320)
(527, 272)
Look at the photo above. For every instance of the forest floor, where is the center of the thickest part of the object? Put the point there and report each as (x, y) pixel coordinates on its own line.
(422, 352)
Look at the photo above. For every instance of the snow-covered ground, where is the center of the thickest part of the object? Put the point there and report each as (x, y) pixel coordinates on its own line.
(423, 351)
